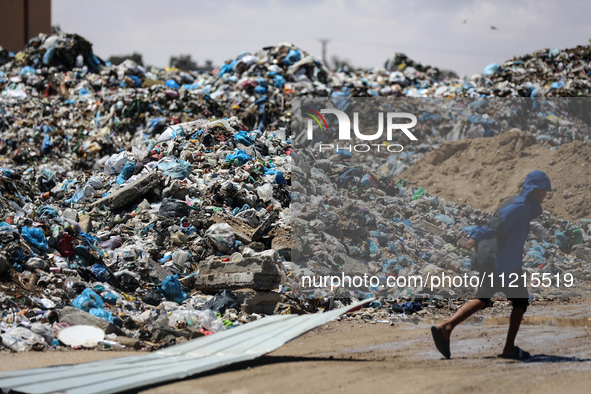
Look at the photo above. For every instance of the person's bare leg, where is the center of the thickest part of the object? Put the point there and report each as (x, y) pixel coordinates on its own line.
(467, 310)
(514, 323)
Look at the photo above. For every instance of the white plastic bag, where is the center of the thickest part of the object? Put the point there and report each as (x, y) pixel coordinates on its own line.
(115, 163)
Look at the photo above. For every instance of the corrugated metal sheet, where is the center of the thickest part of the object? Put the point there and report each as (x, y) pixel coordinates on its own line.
(243, 343)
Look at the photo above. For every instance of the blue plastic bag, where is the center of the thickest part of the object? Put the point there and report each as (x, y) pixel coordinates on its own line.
(349, 176)
(44, 212)
(35, 237)
(136, 81)
(406, 221)
(28, 70)
(243, 138)
(8, 173)
(279, 179)
(260, 89)
(239, 155)
(46, 145)
(292, 57)
(411, 307)
(559, 240)
(109, 297)
(177, 169)
(171, 287)
(374, 250)
(491, 69)
(49, 55)
(392, 246)
(88, 300)
(279, 81)
(444, 219)
(171, 83)
(126, 173)
(103, 314)
(101, 273)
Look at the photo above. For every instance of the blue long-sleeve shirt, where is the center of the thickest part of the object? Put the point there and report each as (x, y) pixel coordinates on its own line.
(510, 224)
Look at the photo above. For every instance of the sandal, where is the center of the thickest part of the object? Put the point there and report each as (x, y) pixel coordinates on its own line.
(441, 343)
(521, 355)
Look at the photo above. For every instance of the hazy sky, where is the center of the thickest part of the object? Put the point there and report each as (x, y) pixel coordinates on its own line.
(448, 34)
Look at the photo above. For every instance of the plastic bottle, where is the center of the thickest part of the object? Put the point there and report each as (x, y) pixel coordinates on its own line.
(110, 345)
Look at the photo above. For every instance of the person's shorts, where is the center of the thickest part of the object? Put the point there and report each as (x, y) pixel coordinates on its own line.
(514, 290)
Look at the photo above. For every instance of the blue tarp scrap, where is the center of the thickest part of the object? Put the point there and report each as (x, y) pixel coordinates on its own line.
(239, 155)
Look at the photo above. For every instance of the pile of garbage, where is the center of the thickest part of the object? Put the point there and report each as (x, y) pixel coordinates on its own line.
(144, 207)
(548, 72)
(146, 228)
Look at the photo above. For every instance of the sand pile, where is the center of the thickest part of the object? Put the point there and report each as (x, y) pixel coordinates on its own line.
(484, 172)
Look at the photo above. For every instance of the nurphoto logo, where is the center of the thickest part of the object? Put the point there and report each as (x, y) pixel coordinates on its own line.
(344, 133)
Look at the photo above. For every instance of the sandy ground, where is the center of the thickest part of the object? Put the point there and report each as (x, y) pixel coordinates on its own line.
(483, 172)
(356, 356)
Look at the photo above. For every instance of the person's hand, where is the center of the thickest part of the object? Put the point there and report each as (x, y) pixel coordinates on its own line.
(471, 244)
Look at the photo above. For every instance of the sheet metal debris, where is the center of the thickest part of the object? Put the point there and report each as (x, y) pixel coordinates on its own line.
(243, 343)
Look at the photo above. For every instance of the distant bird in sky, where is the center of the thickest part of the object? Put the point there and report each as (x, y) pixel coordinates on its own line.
(493, 28)
(465, 20)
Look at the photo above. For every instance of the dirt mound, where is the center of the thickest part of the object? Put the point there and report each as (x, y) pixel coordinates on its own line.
(484, 172)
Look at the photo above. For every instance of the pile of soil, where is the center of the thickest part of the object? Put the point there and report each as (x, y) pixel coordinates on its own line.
(484, 172)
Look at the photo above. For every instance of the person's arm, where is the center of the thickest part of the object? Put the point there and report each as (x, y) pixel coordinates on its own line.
(482, 232)
(477, 234)
(511, 216)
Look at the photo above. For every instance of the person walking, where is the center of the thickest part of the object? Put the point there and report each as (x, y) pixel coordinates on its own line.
(498, 251)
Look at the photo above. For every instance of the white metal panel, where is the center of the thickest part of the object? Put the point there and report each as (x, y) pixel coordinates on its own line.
(239, 344)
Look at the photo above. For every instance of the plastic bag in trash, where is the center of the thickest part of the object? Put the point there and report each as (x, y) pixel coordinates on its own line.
(221, 236)
(173, 209)
(109, 297)
(243, 138)
(239, 156)
(444, 219)
(279, 179)
(491, 69)
(47, 145)
(210, 322)
(175, 168)
(21, 339)
(103, 314)
(223, 300)
(88, 300)
(408, 308)
(44, 331)
(115, 163)
(250, 217)
(101, 273)
(559, 240)
(35, 237)
(265, 192)
(179, 318)
(81, 194)
(44, 212)
(171, 287)
(171, 83)
(152, 298)
(126, 173)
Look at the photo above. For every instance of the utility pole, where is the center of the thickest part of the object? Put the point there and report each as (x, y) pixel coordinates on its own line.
(324, 41)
